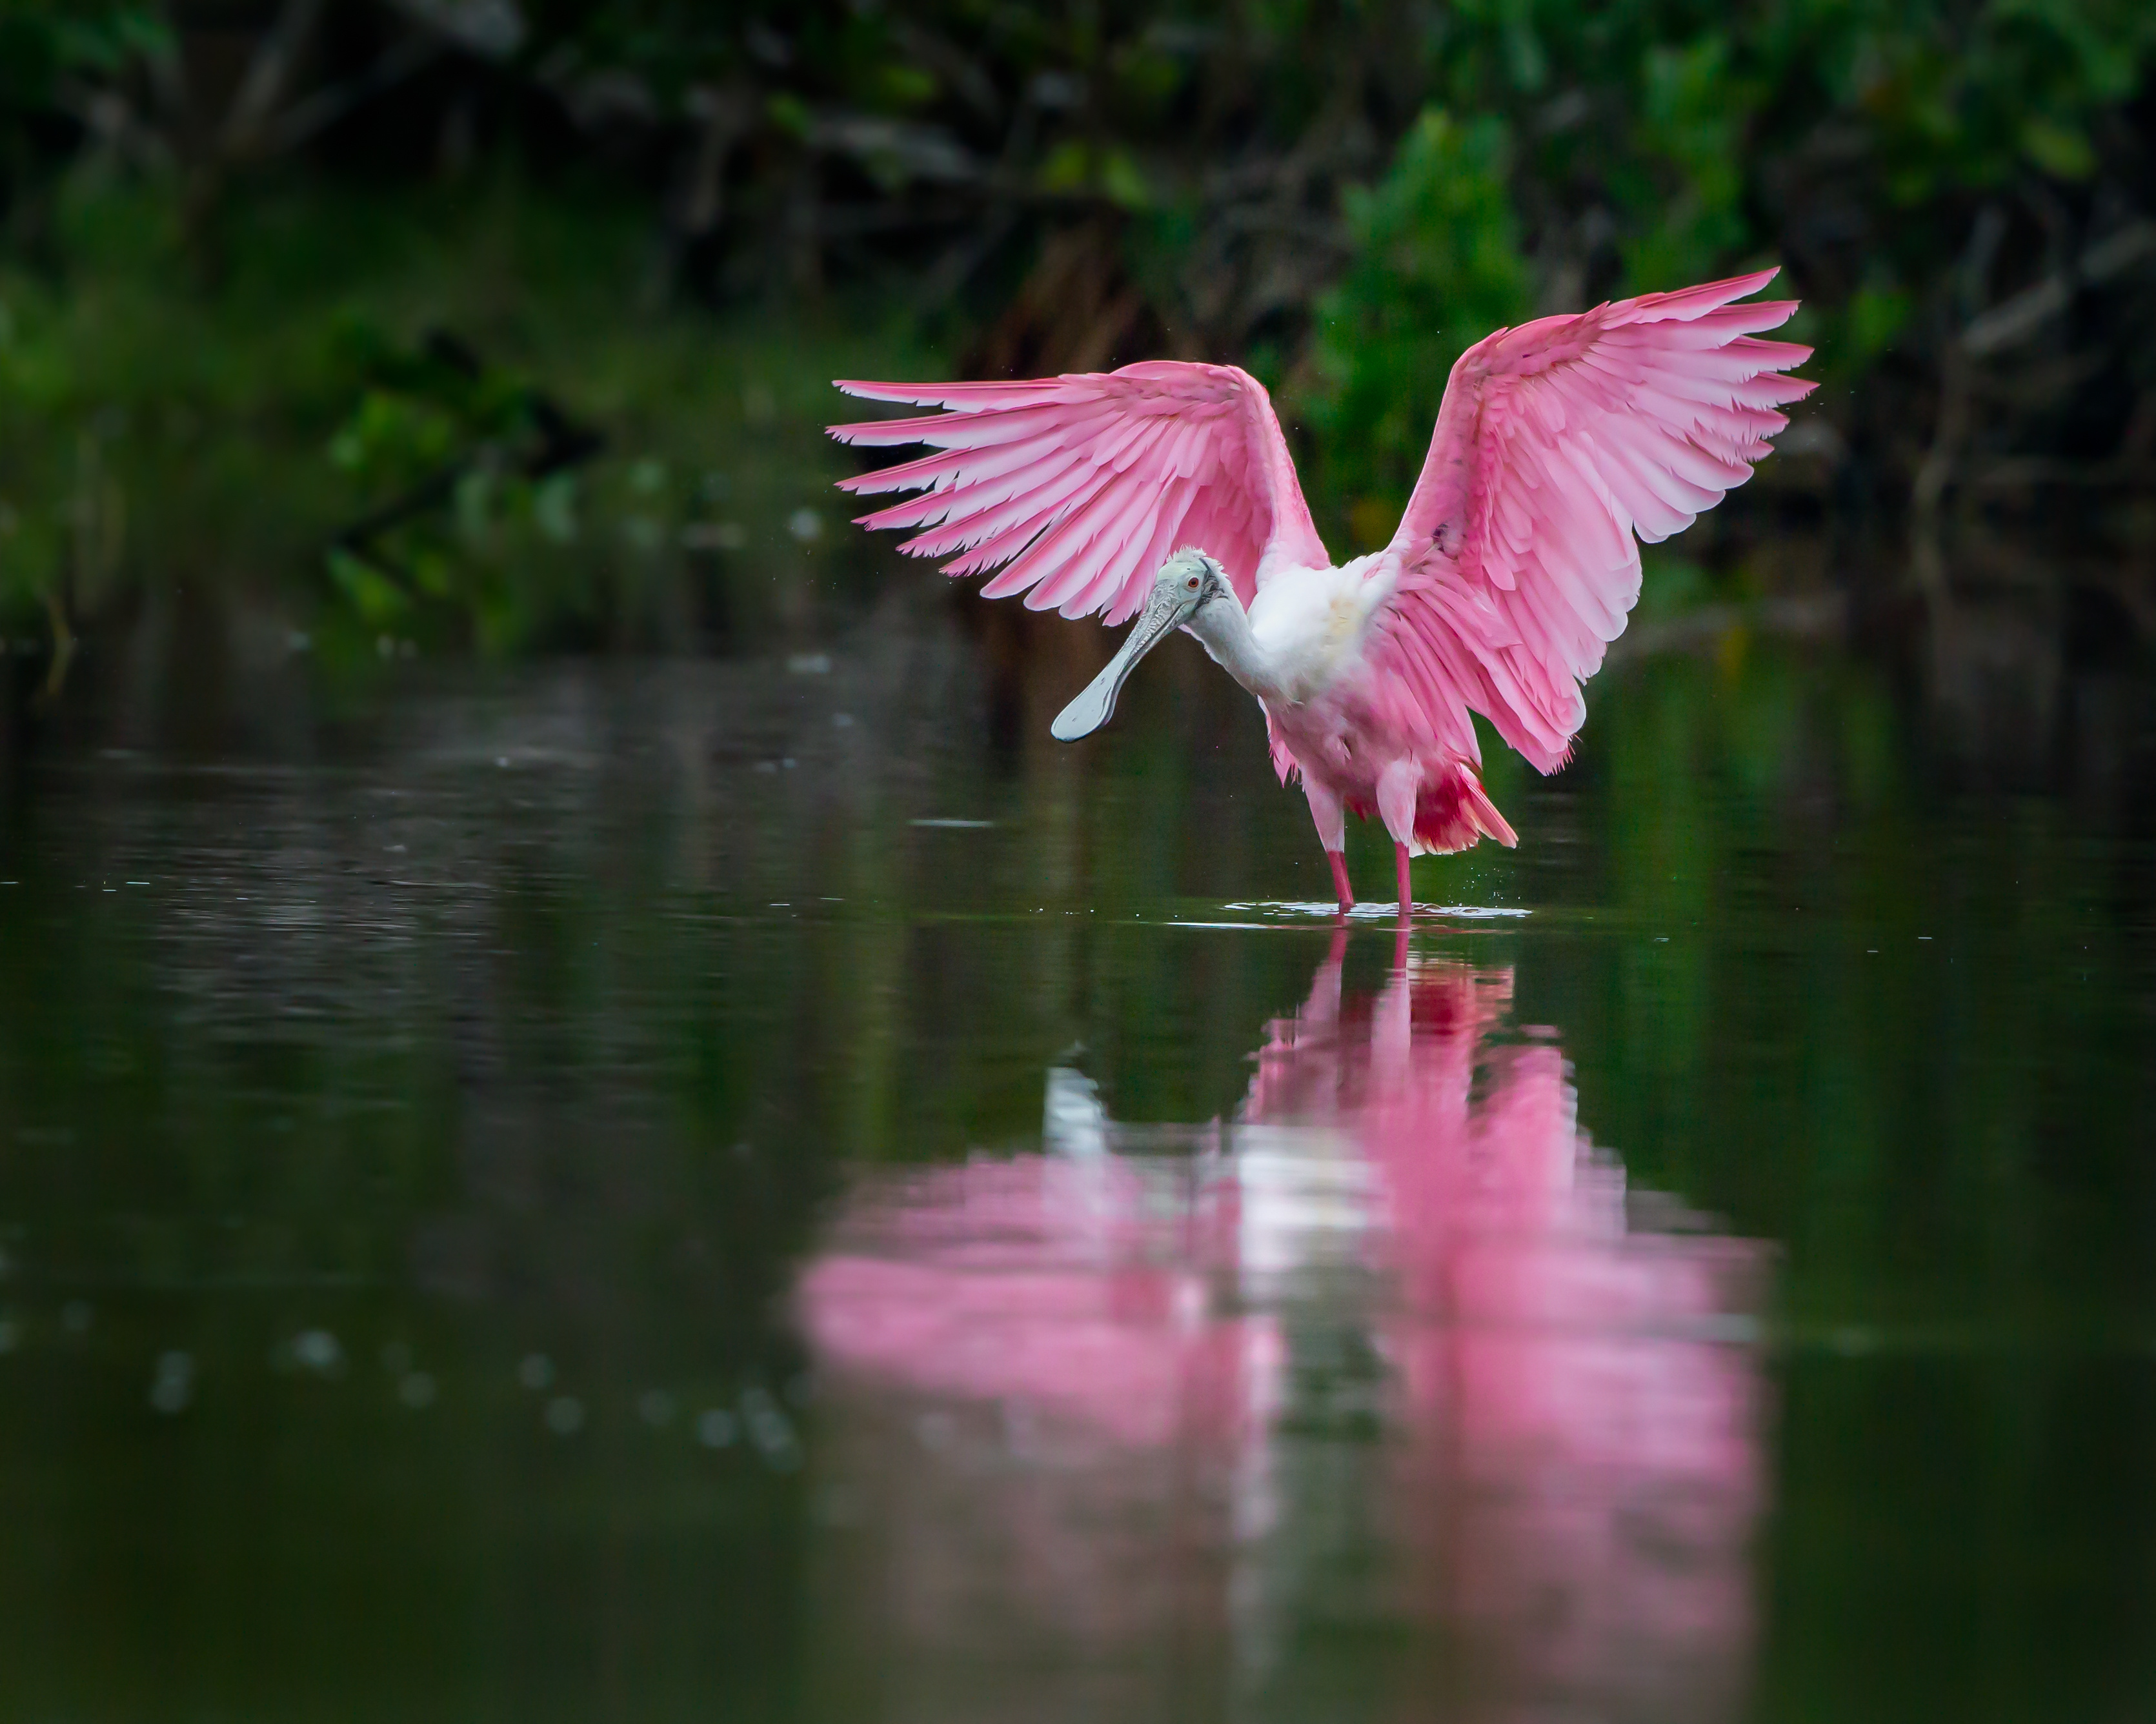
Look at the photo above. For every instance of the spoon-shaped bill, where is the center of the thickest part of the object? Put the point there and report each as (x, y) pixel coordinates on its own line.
(1096, 702)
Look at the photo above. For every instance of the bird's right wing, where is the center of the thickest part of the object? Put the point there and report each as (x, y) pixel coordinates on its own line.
(1557, 443)
(1084, 484)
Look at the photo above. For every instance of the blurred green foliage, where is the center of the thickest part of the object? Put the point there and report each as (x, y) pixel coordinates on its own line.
(1592, 152)
(443, 358)
(45, 43)
(471, 473)
(1344, 197)
(1437, 266)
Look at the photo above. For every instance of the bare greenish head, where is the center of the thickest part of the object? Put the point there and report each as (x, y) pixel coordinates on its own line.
(1188, 582)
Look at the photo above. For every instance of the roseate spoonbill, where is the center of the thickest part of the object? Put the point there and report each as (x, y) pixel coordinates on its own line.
(1513, 569)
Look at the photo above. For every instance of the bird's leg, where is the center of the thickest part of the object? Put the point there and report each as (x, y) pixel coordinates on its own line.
(1399, 785)
(1340, 886)
(1331, 820)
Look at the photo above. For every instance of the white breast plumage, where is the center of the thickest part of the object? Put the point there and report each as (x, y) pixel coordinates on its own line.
(1311, 624)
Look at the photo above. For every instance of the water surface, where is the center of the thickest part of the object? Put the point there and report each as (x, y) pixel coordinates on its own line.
(769, 1190)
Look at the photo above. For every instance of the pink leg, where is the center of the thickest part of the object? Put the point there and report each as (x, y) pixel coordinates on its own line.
(1326, 814)
(1340, 886)
(1399, 785)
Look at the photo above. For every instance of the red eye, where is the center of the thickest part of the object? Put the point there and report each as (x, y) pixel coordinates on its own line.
(1192, 583)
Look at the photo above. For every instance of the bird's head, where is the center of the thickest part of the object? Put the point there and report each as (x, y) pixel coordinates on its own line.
(1188, 582)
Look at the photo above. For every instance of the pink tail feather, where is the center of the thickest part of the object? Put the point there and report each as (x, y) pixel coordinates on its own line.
(1454, 813)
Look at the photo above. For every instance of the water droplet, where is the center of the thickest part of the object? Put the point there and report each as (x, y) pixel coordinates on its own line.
(172, 1383)
(714, 1428)
(565, 1415)
(656, 1407)
(767, 1427)
(806, 526)
(536, 1371)
(417, 1390)
(318, 1350)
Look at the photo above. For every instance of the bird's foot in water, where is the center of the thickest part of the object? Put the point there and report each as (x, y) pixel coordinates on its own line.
(1407, 893)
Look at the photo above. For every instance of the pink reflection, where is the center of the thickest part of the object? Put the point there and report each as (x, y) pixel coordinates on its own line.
(1147, 1362)
(1037, 1281)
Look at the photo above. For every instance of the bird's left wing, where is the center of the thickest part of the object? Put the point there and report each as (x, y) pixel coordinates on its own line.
(1083, 483)
(1557, 444)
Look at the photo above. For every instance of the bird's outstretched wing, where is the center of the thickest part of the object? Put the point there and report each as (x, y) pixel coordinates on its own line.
(1084, 484)
(1558, 442)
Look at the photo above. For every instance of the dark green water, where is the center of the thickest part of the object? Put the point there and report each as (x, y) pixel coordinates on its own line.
(719, 1191)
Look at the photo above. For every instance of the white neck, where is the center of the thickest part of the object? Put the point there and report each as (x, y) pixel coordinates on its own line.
(1225, 633)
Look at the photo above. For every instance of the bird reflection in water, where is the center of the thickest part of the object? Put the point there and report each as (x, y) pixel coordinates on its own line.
(1385, 1400)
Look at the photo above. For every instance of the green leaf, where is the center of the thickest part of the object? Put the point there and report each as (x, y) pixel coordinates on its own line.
(379, 599)
(2062, 151)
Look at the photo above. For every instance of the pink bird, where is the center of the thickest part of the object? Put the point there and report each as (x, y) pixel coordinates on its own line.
(1165, 490)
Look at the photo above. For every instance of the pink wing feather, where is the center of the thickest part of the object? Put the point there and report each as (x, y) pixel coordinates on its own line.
(1556, 443)
(1083, 483)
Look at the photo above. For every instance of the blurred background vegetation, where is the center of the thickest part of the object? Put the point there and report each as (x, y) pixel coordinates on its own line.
(507, 324)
